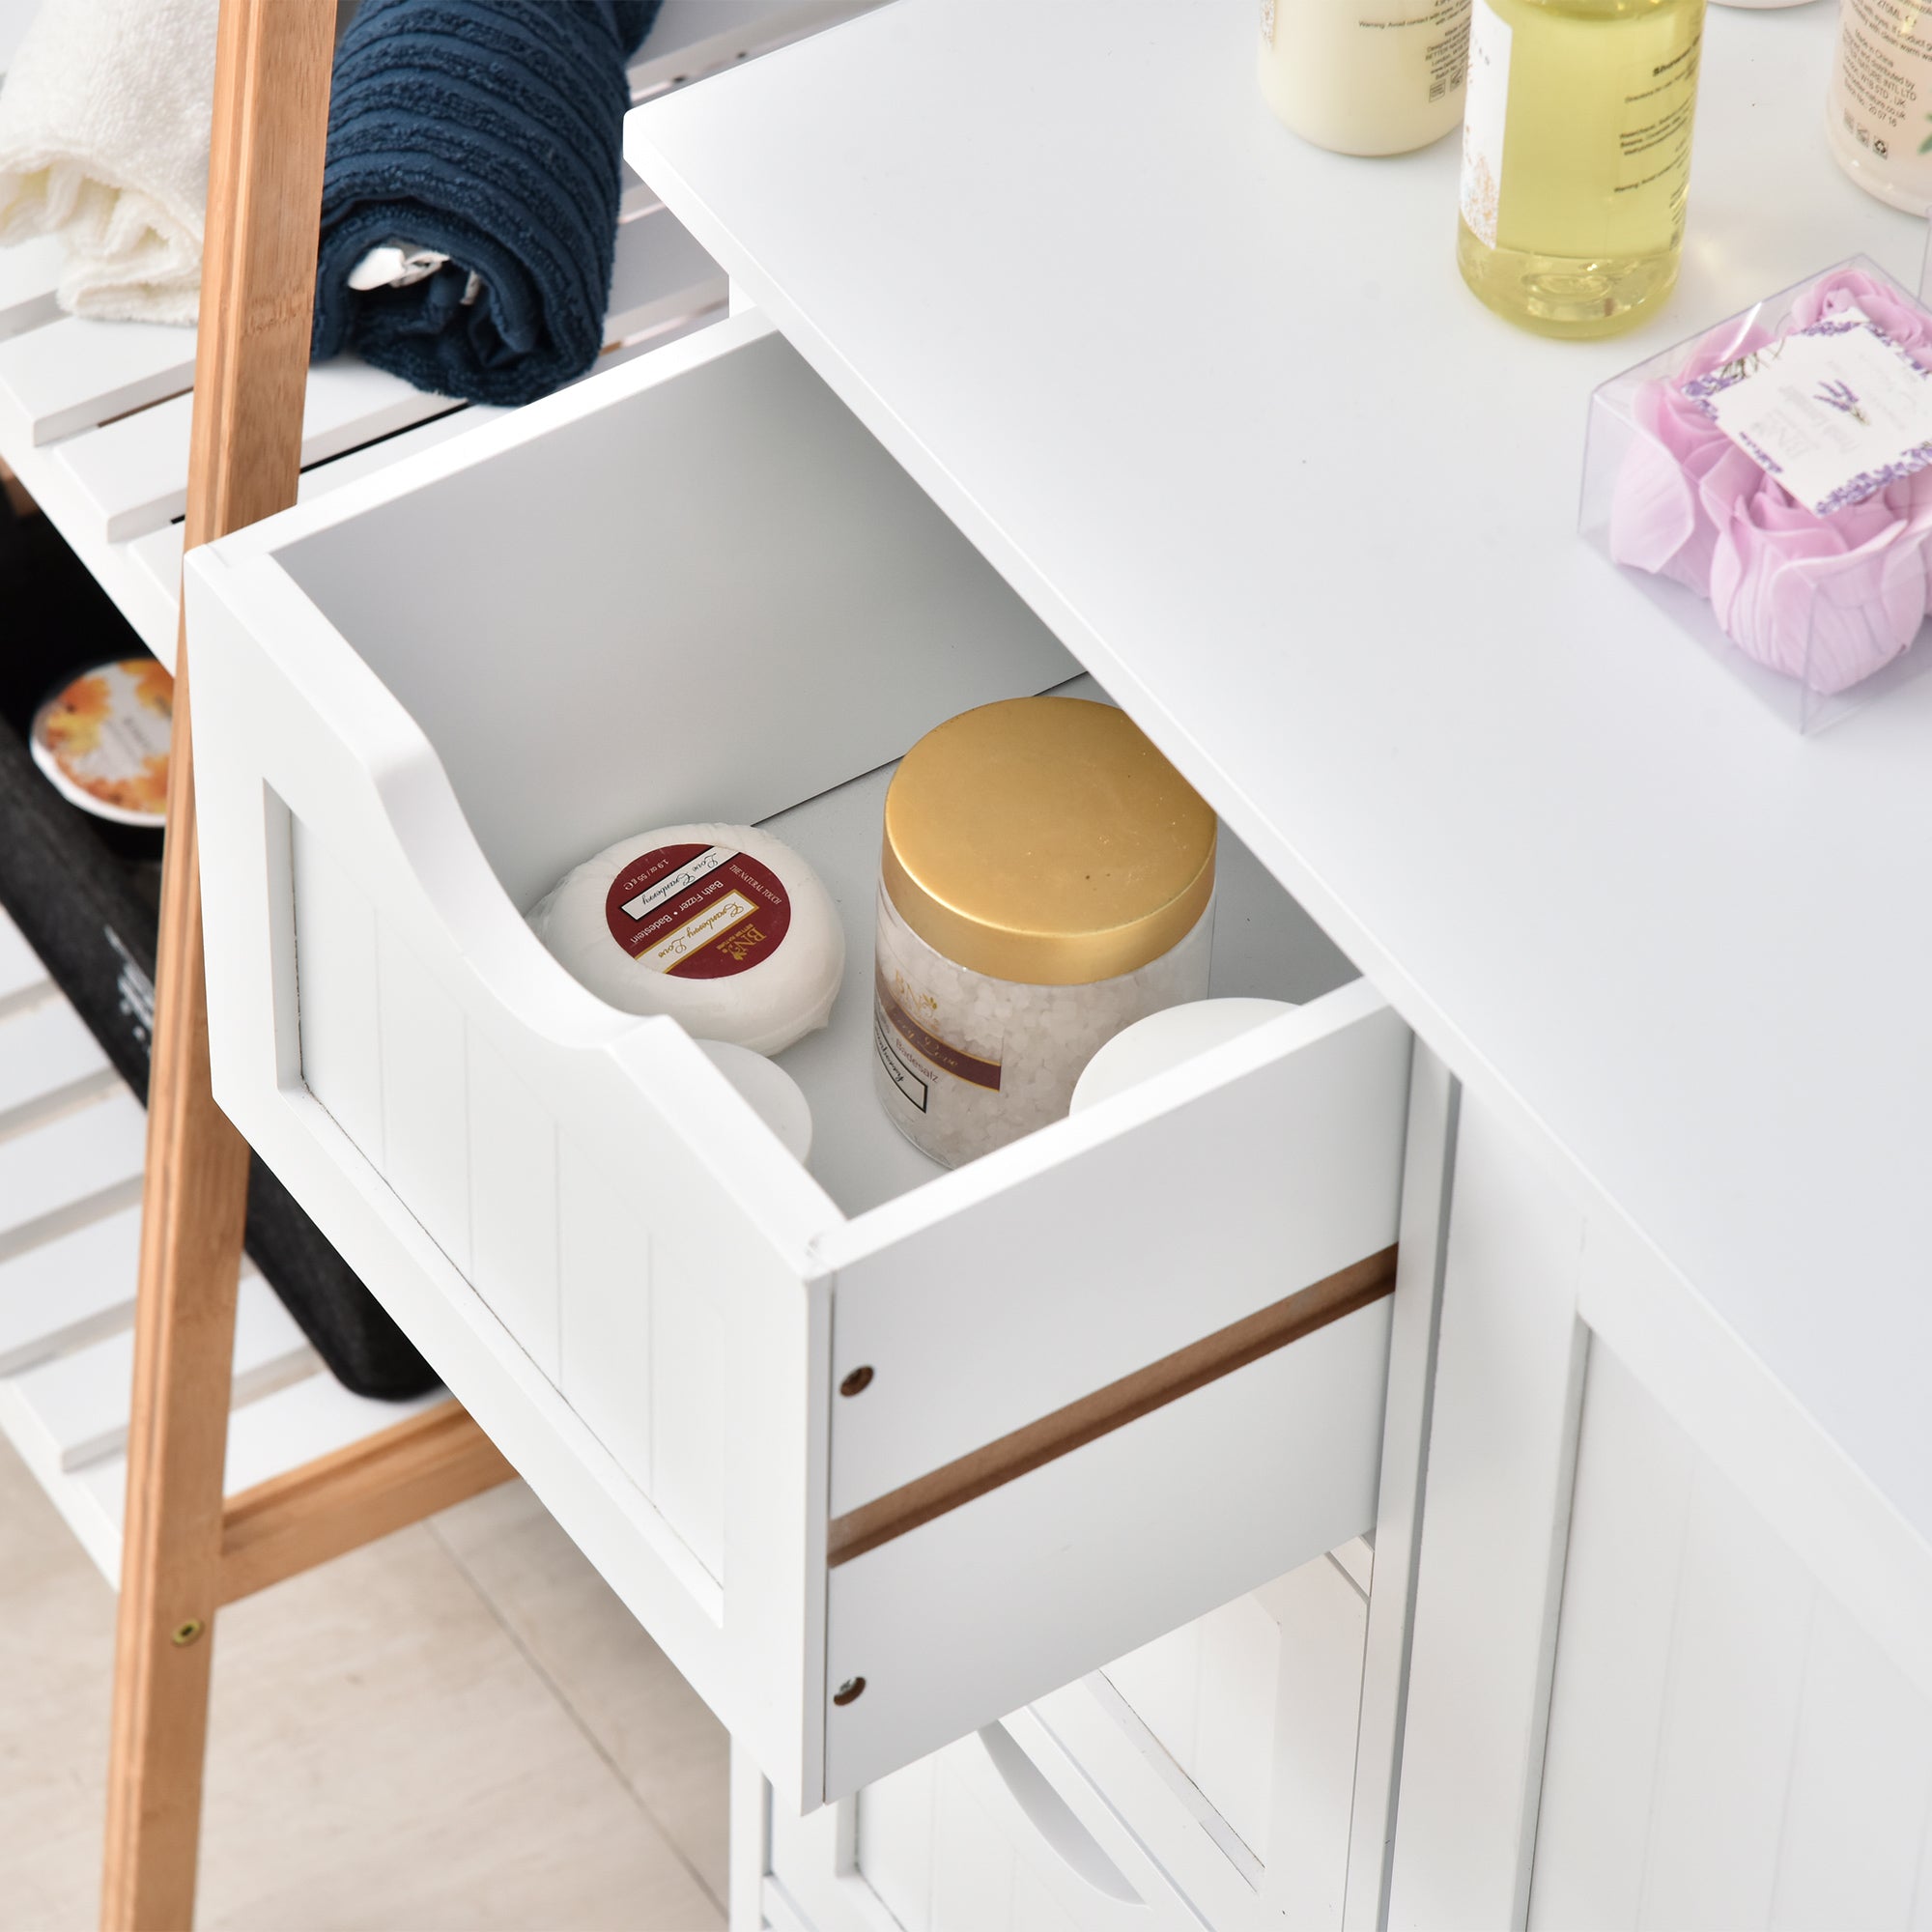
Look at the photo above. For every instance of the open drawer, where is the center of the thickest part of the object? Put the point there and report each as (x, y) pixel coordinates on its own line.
(1120, 1371)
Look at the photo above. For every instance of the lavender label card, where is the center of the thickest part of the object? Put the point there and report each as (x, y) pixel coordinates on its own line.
(1833, 412)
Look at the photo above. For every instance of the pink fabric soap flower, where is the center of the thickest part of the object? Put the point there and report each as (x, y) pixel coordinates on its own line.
(1825, 599)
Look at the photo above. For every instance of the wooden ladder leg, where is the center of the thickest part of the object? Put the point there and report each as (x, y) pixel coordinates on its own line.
(251, 360)
(192, 1223)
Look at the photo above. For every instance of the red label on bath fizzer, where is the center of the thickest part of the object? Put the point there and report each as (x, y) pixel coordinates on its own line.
(701, 911)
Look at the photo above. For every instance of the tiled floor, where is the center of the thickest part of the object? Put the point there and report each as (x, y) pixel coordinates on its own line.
(459, 1727)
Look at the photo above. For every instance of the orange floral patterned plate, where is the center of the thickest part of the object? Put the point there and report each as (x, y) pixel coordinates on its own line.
(103, 740)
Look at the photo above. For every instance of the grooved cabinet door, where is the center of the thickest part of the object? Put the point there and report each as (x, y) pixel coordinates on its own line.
(1728, 1746)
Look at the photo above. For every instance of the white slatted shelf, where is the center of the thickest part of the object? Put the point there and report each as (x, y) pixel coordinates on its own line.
(129, 477)
(69, 1238)
(95, 420)
(22, 977)
(121, 482)
(75, 372)
(692, 38)
(28, 273)
(49, 1058)
(66, 1293)
(78, 1401)
(82, 1163)
(95, 417)
(265, 1438)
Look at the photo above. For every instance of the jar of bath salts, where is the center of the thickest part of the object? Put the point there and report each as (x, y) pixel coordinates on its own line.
(1047, 878)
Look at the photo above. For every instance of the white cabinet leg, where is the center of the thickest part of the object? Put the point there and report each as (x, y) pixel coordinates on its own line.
(750, 1854)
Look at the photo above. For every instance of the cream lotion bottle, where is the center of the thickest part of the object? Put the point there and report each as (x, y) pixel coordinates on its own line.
(1365, 77)
(1878, 116)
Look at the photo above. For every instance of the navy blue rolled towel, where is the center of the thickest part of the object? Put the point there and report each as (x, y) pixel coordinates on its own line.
(487, 132)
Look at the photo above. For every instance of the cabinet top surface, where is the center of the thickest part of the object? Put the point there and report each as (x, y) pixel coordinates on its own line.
(1218, 404)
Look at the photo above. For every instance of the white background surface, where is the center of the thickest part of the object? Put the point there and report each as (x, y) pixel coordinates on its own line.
(1218, 404)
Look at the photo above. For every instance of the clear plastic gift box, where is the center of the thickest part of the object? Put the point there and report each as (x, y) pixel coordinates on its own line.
(1769, 482)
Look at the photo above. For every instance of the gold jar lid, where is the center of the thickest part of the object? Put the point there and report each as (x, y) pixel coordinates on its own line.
(1044, 839)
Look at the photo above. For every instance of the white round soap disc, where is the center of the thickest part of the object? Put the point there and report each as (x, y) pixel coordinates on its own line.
(1167, 1039)
(774, 1096)
(722, 927)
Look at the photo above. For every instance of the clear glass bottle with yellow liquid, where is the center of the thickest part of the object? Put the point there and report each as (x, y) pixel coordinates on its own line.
(1577, 158)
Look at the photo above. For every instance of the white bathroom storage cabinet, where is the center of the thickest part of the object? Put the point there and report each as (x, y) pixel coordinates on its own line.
(877, 1453)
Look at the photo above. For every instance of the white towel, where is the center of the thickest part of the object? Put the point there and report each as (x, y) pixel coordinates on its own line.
(104, 122)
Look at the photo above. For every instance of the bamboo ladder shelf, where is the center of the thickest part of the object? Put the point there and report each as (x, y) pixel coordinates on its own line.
(95, 420)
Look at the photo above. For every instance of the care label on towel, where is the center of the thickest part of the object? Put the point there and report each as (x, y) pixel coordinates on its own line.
(1834, 412)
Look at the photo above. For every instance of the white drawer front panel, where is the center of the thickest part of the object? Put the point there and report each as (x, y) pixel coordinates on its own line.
(1264, 1166)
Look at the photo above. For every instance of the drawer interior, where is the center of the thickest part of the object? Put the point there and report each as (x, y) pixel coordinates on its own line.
(726, 601)
(1115, 1373)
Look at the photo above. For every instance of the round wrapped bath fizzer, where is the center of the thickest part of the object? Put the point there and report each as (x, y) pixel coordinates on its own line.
(723, 928)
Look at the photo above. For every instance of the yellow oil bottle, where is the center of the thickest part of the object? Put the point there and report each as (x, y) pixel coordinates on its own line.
(1577, 158)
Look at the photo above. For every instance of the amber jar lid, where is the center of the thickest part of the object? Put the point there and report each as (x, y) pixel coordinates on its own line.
(1044, 839)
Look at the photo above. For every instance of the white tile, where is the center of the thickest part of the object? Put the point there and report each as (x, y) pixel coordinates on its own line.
(54, 1675)
(384, 1756)
(625, 1692)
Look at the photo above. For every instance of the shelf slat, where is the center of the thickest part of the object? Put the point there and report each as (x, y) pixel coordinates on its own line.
(265, 1438)
(66, 1293)
(79, 1401)
(29, 271)
(75, 373)
(129, 477)
(84, 1164)
(49, 1060)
